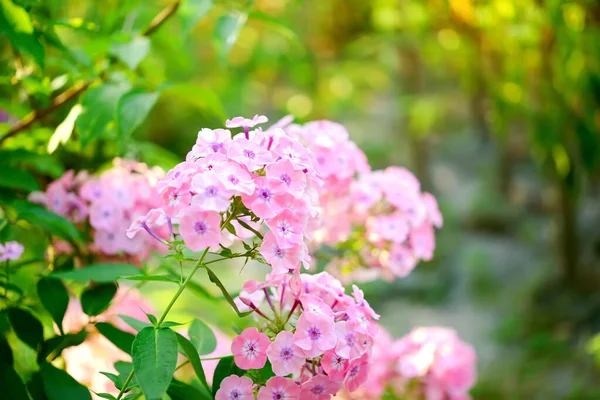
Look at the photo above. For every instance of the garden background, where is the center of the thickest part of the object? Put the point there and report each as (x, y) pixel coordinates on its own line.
(493, 105)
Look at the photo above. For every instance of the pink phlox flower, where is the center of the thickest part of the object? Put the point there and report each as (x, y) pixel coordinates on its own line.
(319, 387)
(422, 241)
(287, 228)
(106, 215)
(285, 357)
(360, 321)
(242, 232)
(176, 200)
(249, 153)
(241, 122)
(315, 309)
(245, 298)
(235, 388)
(334, 365)
(263, 201)
(282, 259)
(210, 193)
(287, 179)
(211, 141)
(299, 206)
(359, 297)
(11, 251)
(210, 162)
(250, 349)
(315, 337)
(357, 373)
(155, 218)
(278, 388)
(235, 177)
(199, 228)
(400, 260)
(92, 190)
(433, 211)
(388, 227)
(292, 150)
(350, 344)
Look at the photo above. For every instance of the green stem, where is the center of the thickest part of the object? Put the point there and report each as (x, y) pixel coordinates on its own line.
(127, 382)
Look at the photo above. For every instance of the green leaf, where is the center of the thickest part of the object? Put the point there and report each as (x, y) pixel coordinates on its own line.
(6, 355)
(114, 379)
(155, 278)
(227, 30)
(55, 298)
(55, 345)
(26, 326)
(132, 110)
(14, 178)
(202, 337)
(11, 383)
(96, 298)
(225, 368)
(42, 163)
(198, 96)
(134, 323)
(132, 52)
(190, 352)
(182, 391)
(35, 387)
(99, 109)
(152, 319)
(154, 354)
(63, 131)
(215, 279)
(16, 25)
(106, 396)
(191, 11)
(123, 340)
(52, 223)
(59, 385)
(170, 324)
(100, 273)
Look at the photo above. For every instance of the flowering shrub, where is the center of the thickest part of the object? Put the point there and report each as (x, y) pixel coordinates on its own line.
(107, 205)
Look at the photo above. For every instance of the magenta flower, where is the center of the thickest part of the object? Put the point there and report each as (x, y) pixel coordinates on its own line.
(11, 251)
(287, 228)
(234, 177)
(357, 373)
(200, 229)
(285, 357)
(248, 153)
(287, 178)
(250, 349)
(319, 387)
(315, 337)
(335, 365)
(210, 193)
(282, 260)
(350, 344)
(279, 388)
(238, 122)
(235, 388)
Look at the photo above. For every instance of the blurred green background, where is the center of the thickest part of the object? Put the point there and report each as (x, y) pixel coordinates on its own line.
(493, 104)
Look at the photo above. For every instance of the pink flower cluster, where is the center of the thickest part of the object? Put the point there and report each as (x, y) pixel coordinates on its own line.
(429, 363)
(109, 202)
(11, 251)
(239, 180)
(309, 330)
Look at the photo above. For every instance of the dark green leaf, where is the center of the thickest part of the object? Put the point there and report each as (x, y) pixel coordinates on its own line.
(55, 345)
(132, 52)
(155, 278)
(265, 373)
(100, 273)
(225, 368)
(152, 319)
(16, 24)
(123, 340)
(35, 387)
(202, 337)
(96, 298)
(215, 279)
(14, 178)
(154, 354)
(52, 223)
(26, 326)
(132, 110)
(190, 352)
(226, 253)
(11, 287)
(59, 385)
(6, 355)
(134, 323)
(11, 383)
(182, 391)
(106, 396)
(191, 11)
(99, 108)
(54, 298)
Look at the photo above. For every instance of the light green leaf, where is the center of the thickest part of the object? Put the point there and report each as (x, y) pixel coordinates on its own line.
(134, 323)
(95, 299)
(99, 109)
(155, 278)
(132, 110)
(154, 354)
(202, 337)
(59, 385)
(123, 340)
(191, 11)
(16, 25)
(226, 367)
(14, 178)
(133, 52)
(26, 327)
(47, 220)
(198, 96)
(190, 352)
(55, 298)
(98, 273)
(63, 131)
(227, 30)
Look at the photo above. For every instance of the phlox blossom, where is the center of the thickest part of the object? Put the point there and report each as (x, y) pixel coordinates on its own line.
(319, 387)
(200, 229)
(235, 388)
(287, 228)
(285, 357)
(238, 122)
(281, 259)
(357, 373)
(335, 365)
(278, 388)
(250, 349)
(210, 192)
(249, 153)
(315, 337)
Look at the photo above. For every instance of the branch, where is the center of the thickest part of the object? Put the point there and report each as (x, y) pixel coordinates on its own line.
(81, 86)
